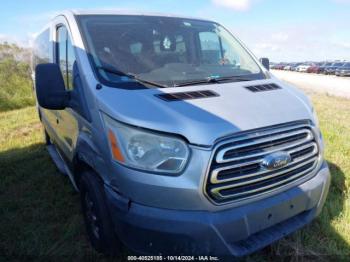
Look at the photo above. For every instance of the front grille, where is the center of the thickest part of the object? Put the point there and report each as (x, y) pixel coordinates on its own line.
(237, 171)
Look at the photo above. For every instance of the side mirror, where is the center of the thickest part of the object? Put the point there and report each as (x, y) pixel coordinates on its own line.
(50, 88)
(265, 62)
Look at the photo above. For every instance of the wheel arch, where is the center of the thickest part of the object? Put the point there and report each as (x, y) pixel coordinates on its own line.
(86, 157)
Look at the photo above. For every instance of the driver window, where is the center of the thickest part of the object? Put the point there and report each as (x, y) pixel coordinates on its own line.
(230, 55)
(65, 56)
(210, 48)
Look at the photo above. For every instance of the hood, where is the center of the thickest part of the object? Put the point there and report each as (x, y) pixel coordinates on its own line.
(203, 121)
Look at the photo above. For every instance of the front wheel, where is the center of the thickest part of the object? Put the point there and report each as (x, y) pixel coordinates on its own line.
(98, 224)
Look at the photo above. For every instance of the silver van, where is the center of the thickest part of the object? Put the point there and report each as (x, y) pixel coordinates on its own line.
(178, 139)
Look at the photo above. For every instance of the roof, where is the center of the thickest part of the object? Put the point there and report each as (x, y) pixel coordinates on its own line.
(126, 12)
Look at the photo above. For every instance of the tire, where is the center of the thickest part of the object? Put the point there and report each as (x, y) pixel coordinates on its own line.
(98, 223)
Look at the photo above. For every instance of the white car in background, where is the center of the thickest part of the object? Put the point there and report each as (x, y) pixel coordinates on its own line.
(302, 68)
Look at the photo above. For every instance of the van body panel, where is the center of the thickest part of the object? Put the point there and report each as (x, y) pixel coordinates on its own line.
(149, 209)
(203, 121)
(237, 231)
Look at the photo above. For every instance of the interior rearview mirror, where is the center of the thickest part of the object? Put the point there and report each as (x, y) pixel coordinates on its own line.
(50, 88)
(265, 62)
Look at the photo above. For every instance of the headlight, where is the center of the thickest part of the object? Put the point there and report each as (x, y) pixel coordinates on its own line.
(146, 150)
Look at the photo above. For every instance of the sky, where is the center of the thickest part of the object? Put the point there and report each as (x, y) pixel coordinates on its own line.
(288, 30)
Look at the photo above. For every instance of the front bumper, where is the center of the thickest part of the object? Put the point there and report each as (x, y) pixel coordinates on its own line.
(237, 231)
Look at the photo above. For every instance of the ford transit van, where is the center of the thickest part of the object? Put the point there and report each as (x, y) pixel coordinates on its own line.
(177, 138)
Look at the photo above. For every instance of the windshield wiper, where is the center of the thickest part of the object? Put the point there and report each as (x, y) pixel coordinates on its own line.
(130, 75)
(212, 80)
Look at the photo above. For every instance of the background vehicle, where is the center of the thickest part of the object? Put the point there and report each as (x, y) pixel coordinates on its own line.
(294, 66)
(322, 68)
(272, 64)
(279, 66)
(303, 67)
(330, 70)
(344, 70)
(177, 138)
(314, 68)
(287, 67)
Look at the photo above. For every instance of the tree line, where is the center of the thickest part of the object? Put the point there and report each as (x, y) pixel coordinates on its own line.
(16, 87)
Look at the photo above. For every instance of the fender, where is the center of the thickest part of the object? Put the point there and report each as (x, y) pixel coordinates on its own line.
(87, 155)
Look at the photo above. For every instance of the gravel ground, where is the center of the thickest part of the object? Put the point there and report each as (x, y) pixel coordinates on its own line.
(329, 84)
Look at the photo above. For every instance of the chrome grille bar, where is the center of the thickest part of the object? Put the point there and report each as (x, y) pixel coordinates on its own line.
(217, 190)
(268, 175)
(309, 137)
(237, 171)
(215, 173)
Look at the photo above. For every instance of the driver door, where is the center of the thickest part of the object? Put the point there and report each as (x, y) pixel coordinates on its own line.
(67, 124)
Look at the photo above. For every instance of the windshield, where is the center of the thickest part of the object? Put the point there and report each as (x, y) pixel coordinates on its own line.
(163, 50)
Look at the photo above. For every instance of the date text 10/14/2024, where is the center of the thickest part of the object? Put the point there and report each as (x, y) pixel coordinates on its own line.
(173, 258)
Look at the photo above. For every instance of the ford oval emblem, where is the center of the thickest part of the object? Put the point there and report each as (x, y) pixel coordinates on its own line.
(276, 160)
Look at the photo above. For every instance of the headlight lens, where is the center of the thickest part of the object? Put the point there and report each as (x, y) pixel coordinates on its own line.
(146, 150)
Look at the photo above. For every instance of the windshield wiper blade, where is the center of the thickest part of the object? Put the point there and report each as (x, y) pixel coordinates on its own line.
(234, 78)
(130, 75)
(196, 82)
(212, 80)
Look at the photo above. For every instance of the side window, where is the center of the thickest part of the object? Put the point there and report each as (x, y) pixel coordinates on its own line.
(210, 47)
(61, 52)
(42, 49)
(65, 56)
(70, 62)
(230, 55)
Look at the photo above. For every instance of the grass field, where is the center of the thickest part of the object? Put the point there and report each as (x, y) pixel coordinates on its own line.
(40, 212)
